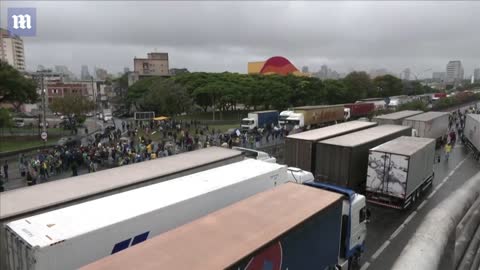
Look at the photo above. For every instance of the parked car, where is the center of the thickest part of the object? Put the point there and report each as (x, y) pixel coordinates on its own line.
(41, 124)
(19, 122)
(107, 117)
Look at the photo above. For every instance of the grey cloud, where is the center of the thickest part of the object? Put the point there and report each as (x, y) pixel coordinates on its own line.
(219, 36)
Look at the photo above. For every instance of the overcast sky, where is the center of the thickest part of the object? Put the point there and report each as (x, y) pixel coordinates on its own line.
(223, 36)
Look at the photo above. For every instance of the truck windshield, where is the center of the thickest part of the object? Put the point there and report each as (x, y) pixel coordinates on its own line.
(247, 122)
(293, 122)
(283, 117)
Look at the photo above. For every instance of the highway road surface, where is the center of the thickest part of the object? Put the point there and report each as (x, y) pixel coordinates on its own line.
(389, 229)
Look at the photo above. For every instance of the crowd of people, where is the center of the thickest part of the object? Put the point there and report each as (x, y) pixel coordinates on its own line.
(456, 125)
(131, 142)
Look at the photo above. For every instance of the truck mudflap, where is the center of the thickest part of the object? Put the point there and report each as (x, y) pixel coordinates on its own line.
(396, 202)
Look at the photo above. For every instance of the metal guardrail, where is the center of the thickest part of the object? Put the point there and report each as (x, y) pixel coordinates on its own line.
(449, 237)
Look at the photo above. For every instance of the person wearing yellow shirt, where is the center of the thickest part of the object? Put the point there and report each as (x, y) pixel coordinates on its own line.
(149, 148)
(448, 149)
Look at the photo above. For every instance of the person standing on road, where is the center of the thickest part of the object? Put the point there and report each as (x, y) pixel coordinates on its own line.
(448, 149)
(5, 170)
(74, 168)
(453, 137)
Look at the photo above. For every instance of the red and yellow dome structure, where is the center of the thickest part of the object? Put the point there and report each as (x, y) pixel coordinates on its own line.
(275, 65)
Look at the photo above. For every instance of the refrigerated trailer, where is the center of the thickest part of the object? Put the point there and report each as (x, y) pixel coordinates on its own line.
(343, 160)
(395, 118)
(432, 125)
(471, 133)
(300, 150)
(273, 230)
(73, 236)
(47, 196)
(44, 197)
(399, 171)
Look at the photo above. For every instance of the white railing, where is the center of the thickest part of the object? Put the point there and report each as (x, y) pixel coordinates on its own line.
(449, 236)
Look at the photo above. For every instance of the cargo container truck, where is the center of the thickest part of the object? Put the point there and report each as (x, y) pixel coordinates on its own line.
(260, 119)
(395, 118)
(358, 110)
(399, 171)
(471, 134)
(343, 160)
(309, 117)
(379, 103)
(274, 230)
(300, 149)
(32, 200)
(73, 236)
(432, 125)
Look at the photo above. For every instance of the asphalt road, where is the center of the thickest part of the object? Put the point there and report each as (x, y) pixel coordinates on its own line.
(389, 230)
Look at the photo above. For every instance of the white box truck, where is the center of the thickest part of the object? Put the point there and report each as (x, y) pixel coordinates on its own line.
(399, 171)
(471, 134)
(74, 236)
(432, 125)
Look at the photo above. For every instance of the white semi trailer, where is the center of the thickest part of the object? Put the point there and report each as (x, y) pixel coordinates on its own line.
(74, 236)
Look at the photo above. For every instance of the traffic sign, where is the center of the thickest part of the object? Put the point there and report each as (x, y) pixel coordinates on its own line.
(44, 135)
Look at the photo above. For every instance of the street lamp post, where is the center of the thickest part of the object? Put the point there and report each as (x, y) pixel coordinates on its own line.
(44, 109)
(94, 104)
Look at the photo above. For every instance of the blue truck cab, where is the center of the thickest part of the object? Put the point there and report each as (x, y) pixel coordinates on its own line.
(354, 225)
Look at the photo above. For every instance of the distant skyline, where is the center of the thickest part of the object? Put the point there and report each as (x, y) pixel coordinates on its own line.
(223, 36)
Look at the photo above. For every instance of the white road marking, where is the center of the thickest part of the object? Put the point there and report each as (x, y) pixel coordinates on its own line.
(431, 194)
(422, 204)
(439, 186)
(380, 250)
(396, 232)
(409, 218)
(365, 266)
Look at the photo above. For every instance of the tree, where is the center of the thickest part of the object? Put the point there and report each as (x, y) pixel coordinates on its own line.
(359, 86)
(5, 118)
(212, 91)
(336, 92)
(15, 88)
(71, 105)
(164, 96)
(388, 86)
(416, 105)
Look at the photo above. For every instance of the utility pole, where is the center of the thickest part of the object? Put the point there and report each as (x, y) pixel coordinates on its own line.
(95, 104)
(44, 107)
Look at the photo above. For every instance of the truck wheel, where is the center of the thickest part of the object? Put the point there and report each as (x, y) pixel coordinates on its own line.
(354, 262)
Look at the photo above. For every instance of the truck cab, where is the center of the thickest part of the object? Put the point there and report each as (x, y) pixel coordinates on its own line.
(282, 118)
(248, 123)
(354, 225)
(295, 121)
(258, 155)
(298, 175)
(347, 114)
